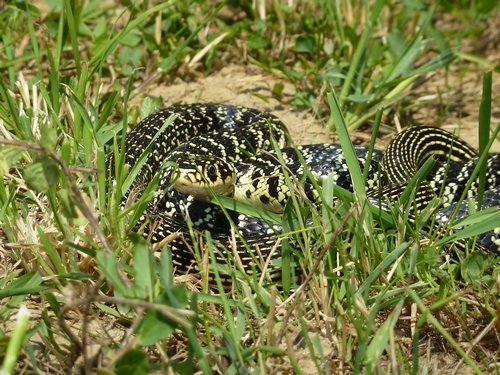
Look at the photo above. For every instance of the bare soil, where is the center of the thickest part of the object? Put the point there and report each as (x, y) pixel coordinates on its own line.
(455, 110)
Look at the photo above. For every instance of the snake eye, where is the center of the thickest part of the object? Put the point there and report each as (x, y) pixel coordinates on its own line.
(211, 171)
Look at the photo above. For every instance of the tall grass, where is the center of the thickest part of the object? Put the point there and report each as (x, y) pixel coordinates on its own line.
(371, 292)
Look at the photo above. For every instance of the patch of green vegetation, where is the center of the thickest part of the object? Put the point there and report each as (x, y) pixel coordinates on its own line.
(69, 72)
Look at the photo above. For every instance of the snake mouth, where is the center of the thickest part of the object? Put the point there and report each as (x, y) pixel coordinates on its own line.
(199, 193)
(204, 176)
(202, 191)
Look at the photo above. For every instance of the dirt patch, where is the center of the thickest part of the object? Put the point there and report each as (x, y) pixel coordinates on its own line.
(457, 110)
(247, 86)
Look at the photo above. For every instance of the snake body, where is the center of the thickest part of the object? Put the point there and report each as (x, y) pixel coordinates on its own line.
(222, 145)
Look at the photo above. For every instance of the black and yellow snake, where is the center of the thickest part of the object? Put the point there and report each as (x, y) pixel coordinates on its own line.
(214, 148)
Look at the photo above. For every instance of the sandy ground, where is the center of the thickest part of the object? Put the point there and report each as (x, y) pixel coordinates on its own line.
(247, 86)
(252, 87)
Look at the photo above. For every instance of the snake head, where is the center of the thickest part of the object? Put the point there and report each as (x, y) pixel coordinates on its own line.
(202, 176)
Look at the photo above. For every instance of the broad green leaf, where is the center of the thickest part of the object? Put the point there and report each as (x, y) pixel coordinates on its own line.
(397, 42)
(69, 207)
(133, 362)
(144, 273)
(154, 327)
(42, 174)
(306, 43)
(48, 138)
(108, 267)
(475, 265)
(256, 42)
(9, 155)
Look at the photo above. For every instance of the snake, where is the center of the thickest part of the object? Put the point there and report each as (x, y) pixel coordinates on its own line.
(195, 152)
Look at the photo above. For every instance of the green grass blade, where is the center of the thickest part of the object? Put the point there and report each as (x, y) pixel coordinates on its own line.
(386, 263)
(481, 224)
(360, 49)
(72, 24)
(350, 155)
(484, 132)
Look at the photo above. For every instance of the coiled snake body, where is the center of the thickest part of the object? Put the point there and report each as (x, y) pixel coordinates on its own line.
(221, 145)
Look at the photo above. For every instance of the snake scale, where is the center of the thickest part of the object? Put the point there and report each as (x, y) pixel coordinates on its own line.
(230, 148)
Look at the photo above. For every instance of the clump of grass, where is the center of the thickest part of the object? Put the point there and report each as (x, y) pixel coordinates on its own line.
(67, 81)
